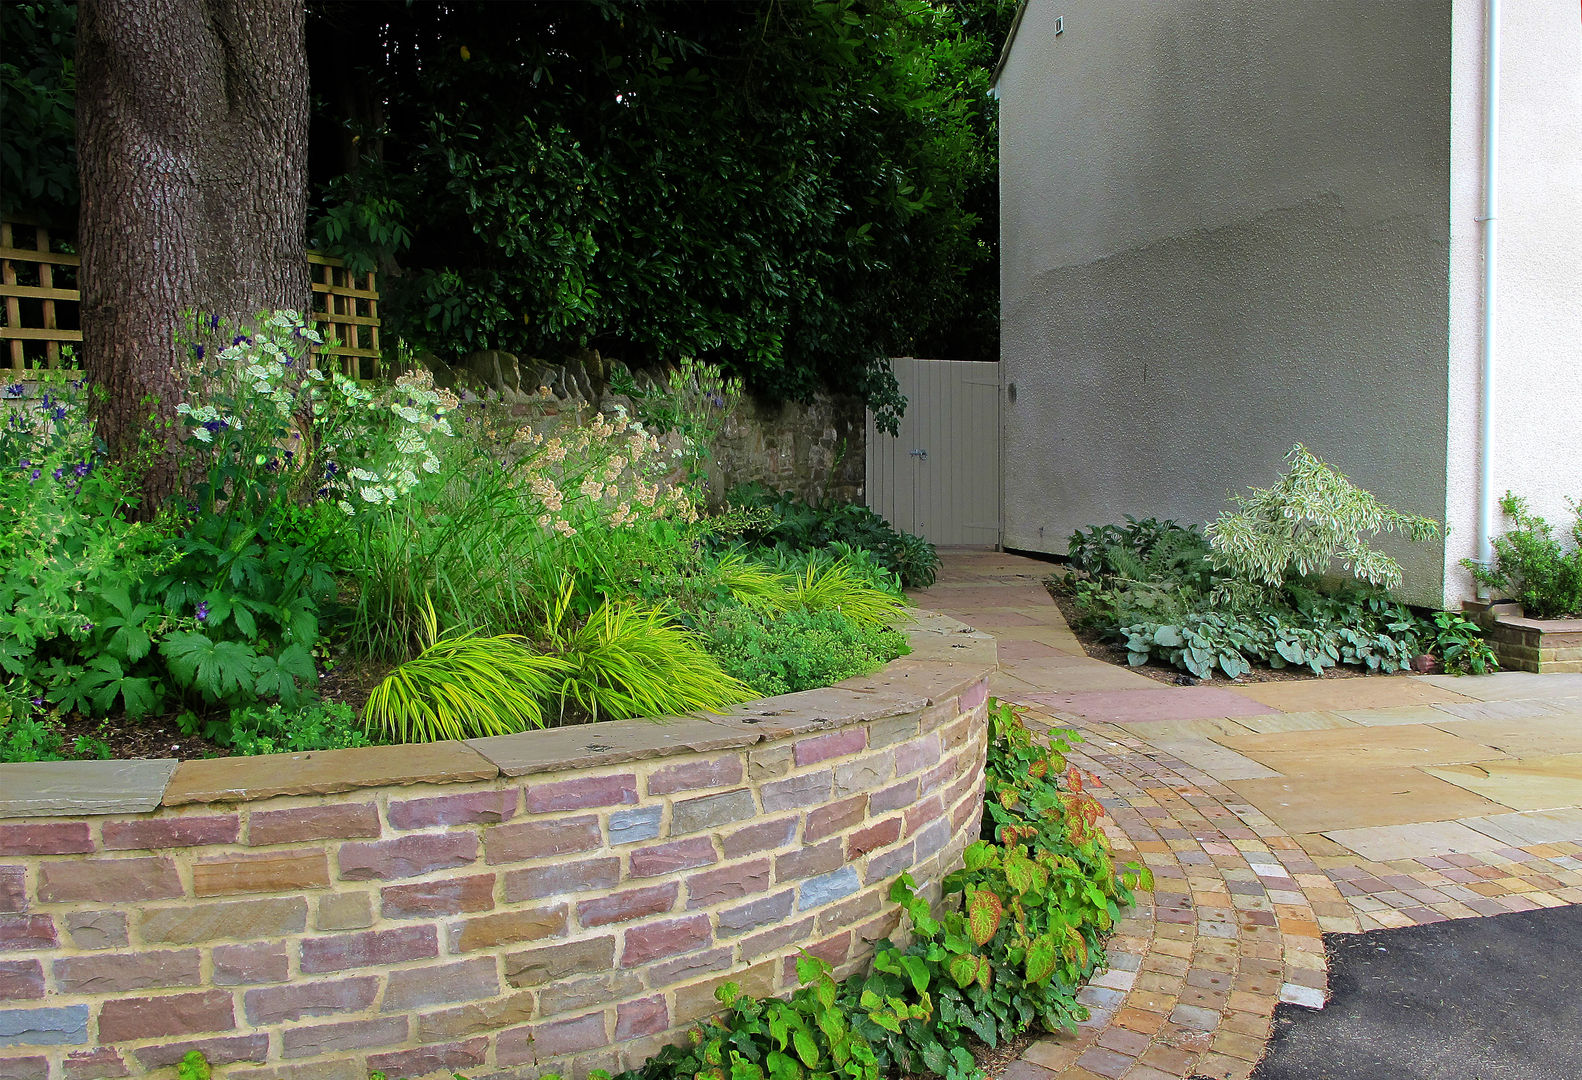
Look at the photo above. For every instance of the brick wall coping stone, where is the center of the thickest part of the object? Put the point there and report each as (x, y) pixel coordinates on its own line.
(947, 657)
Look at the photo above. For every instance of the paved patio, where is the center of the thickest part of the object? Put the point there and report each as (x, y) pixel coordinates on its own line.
(1273, 813)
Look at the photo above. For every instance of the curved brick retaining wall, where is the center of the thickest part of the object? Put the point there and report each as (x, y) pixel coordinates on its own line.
(568, 897)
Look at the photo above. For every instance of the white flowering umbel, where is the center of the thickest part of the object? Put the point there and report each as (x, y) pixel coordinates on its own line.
(1307, 521)
(273, 422)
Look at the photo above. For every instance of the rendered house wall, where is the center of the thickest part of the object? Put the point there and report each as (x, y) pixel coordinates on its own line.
(1225, 229)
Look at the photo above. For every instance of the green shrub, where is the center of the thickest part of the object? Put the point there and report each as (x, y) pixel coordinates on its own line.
(801, 527)
(783, 652)
(277, 730)
(1532, 566)
(27, 733)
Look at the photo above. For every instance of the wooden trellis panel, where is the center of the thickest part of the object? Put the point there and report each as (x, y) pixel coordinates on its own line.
(345, 306)
(348, 309)
(32, 331)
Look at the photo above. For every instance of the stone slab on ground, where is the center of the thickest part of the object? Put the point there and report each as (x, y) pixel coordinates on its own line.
(1533, 783)
(1375, 692)
(1358, 799)
(1309, 753)
(1493, 999)
(1163, 703)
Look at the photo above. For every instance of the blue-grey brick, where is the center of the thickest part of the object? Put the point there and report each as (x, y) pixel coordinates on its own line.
(63, 1026)
(826, 888)
(630, 826)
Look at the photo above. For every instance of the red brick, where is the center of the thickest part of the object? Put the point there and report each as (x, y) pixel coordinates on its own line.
(100, 1063)
(645, 1016)
(52, 838)
(893, 797)
(539, 839)
(13, 889)
(18, 932)
(124, 1019)
(776, 939)
(488, 931)
(30, 1067)
(728, 883)
(930, 809)
(441, 984)
(407, 856)
(471, 808)
(320, 997)
(157, 834)
(688, 967)
(966, 810)
(879, 834)
(765, 911)
(817, 748)
(370, 948)
(120, 973)
(430, 1059)
(915, 754)
(946, 770)
(581, 793)
(835, 818)
(223, 1050)
(974, 695)
(338, 1038)
(284, 871)
(260, 962)
(553, 1039)
(447, 896)
(760, 836)
(794, 792)
(21, 980)
(669, 858)
(655, 940)
(549, 963)
(888, 864)
(629, 904)
(955, 734)
(810, 861)
(476, 1018)
(692, 775)
(556, 879)
(236, 920)
(337, 822)
(108, 881)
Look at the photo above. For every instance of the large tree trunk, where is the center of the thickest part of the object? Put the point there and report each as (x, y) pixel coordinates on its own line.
(192, 128)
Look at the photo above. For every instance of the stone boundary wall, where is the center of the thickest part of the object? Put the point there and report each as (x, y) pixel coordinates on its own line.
(567, 898)
(1522, 644)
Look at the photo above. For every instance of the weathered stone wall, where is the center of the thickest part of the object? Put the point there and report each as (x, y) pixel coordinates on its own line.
(817, 450)
(569, 897)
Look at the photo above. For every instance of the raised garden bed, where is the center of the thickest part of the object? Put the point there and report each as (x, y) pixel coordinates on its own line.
(1523, 644)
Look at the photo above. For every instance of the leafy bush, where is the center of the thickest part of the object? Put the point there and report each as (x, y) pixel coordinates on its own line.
(1310, 518)
(1460, 646)
(27, 733)
(801, 527)
(277, 730)
(786, 651)
(1532, 566)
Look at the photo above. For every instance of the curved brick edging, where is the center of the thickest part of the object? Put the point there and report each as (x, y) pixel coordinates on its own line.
(569, 896)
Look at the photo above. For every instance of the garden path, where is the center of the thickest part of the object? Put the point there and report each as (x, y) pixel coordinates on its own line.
(1273, 813)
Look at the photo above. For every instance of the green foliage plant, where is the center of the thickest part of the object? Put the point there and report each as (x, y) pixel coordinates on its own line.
(1459, 644)
(1310, 518)
(29, 731)
(1532, 566)
(463, 686)
(800, 526)
(38, 159)
(790, 650)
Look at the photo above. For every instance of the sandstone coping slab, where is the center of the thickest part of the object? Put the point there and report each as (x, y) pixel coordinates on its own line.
(64, 788)
(948, 659)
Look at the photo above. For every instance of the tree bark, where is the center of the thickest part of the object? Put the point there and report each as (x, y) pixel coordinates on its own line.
(192, 122)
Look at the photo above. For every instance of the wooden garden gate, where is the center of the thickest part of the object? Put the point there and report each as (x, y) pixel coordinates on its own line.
(940, 478)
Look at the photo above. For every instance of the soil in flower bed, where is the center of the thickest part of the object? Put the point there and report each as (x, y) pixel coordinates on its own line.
(1113, 652)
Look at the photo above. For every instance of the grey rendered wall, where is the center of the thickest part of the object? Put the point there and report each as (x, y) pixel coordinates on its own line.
(1538, 381)
(1225, 230)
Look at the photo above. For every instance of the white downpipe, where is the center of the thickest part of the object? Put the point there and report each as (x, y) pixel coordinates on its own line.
(1491, 131)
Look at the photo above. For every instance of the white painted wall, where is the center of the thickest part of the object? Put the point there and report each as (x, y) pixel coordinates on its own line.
(1225, 229)
(1538, 384)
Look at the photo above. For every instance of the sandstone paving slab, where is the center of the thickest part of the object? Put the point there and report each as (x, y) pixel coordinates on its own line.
(1540, 783)
(324, 772)
(1509, 708)
(1097, 677)
(62, 788)
(1383, 843)
(1322, 752)
(1220, 763)
(1504, 685)
(1153, 702)
(1543, 735)
(1295, 721)
(1014, 647)
(1193, 728)
(1360, 798)
(1373, 692)
(1398, 714)
(1532, 827)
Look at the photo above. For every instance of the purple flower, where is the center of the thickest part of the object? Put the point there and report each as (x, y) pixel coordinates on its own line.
(214, 323)
(76, 384)
(241, 339)
(60, 472)
(197, 352)
(58, 413)
(86, 627)
(215, 425)
(33, 476)
(202, 611)
(15, 390)
(329, 468)
(82, 468)
(38, 703)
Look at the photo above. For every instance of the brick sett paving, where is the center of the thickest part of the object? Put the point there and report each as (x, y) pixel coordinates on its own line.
(1235, 922)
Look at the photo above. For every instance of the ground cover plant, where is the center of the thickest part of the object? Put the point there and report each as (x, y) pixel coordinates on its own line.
(797, 525)
(476, 573)
(1532, 566)
(1251, 589)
